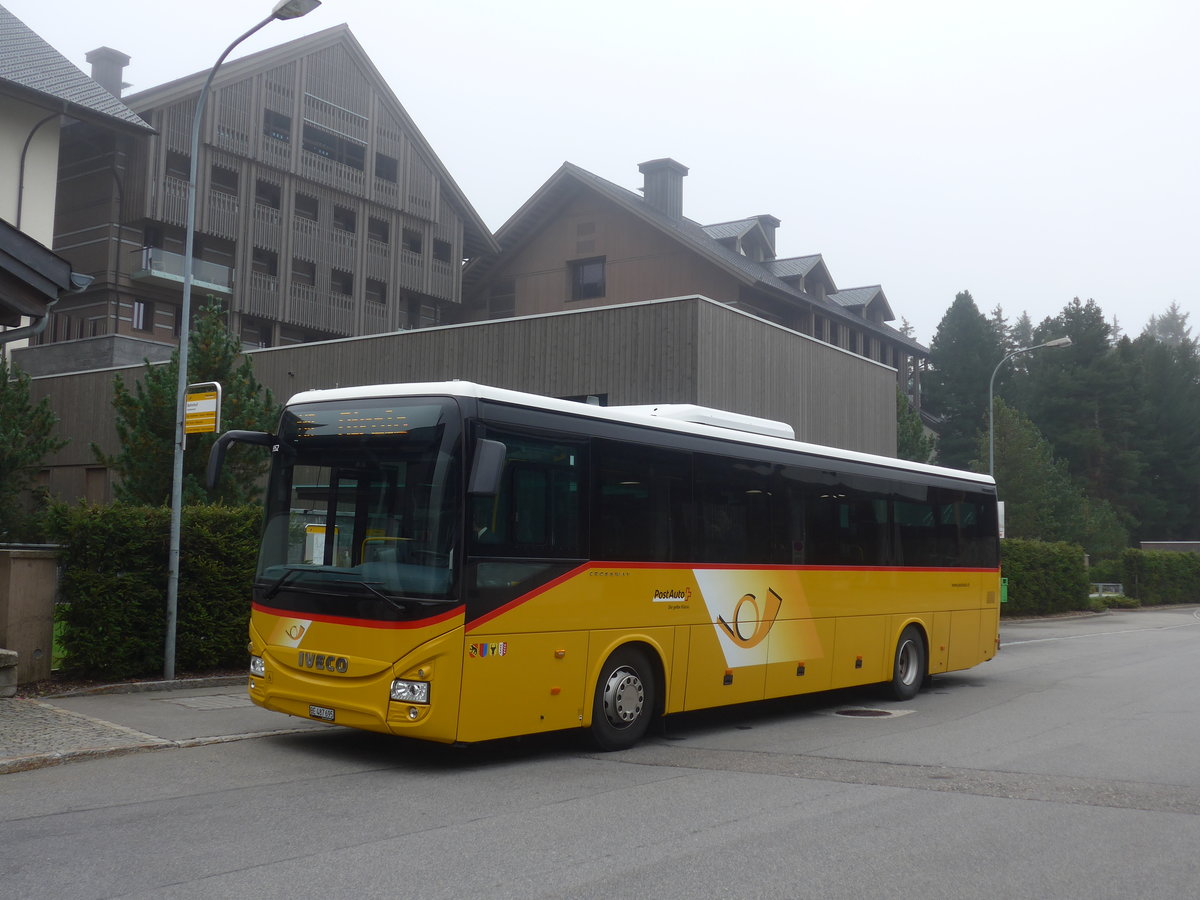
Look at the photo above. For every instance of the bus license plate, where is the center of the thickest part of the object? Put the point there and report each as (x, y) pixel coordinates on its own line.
(324, 713)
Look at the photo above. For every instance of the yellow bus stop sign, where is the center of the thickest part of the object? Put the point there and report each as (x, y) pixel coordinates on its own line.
(203, 412)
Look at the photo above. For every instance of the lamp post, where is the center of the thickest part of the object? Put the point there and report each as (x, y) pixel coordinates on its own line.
(1057, 342)
(284, 9)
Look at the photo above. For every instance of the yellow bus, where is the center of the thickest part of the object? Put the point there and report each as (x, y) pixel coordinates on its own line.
(458, 563)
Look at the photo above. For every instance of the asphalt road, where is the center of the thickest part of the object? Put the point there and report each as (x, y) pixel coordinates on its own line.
(1067, 767)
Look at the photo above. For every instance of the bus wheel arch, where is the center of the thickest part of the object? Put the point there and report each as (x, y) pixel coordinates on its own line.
(627, 696)
(910, 663)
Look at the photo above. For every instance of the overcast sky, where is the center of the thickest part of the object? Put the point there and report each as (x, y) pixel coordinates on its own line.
(1029, 152)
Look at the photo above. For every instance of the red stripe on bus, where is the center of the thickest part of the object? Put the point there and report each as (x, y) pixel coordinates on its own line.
(541, 589)
(363, 623)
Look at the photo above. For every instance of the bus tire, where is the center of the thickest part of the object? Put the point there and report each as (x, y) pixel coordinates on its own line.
(625, 700)
(910, 666)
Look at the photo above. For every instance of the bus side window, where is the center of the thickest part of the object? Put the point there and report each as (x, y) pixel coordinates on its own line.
(641, 498)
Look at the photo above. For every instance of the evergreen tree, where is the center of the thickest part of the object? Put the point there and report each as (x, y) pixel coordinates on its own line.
(1041, 501)
(1083, 399)
(911, 440)
(1167, 382)
(26, 437)
(145, 422)
(962, 355)
(1170, 328)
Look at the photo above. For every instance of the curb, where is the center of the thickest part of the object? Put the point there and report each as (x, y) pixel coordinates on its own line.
(45, 760)
(141, 687)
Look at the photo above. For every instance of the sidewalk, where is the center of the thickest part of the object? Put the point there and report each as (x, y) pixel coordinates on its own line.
(159, 715)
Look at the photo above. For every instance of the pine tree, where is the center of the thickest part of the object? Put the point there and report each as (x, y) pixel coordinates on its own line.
(962, 355)
(1041, 500)
(911, 440)
(1084, 401)
(26, 437)
(145, 423)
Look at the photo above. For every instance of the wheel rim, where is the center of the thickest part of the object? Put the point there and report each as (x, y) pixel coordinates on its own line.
(624, 697)
(907, 662)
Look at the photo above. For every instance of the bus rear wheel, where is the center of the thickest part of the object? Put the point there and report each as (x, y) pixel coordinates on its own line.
(911, 663)
(625, 700)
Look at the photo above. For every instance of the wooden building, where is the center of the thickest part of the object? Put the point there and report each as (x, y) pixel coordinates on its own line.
(680, 350)
(322, 212)
(582, 241)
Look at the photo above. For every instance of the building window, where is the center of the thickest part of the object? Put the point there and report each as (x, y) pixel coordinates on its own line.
(179, 165)
(265, 262)
(224, 180)
(267, 194)
(441, 251)
(379, 230)
(376, 291)
(341, 282)
(387, 168)
(335, 147)
(143, 315)
(587, 278)
(277, 125)
(345, 219)
(306, 207)
(411, 240)
(304, 272)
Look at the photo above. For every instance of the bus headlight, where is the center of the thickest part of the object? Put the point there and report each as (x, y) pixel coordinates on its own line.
(410, 691)
(258, 668)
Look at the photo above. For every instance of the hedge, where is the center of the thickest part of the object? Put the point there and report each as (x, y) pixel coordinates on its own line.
(113, 589)
(1043, 578)
(1157, 577)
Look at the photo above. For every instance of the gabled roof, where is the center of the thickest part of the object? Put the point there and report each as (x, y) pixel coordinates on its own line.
(33, 71)
(862, 297)
(565, 183)
(478, 237)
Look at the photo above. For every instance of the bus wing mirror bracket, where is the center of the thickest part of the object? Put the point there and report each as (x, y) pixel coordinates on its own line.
(487, 467)
(216, 456)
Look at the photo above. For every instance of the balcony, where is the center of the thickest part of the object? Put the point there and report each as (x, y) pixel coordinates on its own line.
(165, 269)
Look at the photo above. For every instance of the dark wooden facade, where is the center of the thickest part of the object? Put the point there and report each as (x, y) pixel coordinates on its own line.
(322, 212)
(687, 350)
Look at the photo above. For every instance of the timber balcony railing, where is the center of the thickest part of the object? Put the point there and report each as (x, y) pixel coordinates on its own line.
(164, 268)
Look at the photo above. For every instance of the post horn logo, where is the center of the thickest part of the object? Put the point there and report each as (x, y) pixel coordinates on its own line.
(747, 617)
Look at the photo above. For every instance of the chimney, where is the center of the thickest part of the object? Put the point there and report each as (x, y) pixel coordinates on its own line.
(769, 224)
(108, 65)
(663, 186)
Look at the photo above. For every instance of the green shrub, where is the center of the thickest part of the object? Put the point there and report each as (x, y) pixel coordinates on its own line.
(1158, 577)
(1043, 578)
(114, 587)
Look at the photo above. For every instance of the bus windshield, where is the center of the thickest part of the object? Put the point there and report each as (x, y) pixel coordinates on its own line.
(362, 510)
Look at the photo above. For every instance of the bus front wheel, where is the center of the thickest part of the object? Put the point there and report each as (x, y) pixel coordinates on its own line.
(909, 668)
(625, 700)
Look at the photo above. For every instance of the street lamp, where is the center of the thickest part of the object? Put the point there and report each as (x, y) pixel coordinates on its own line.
(284, 9)
(1057, 342)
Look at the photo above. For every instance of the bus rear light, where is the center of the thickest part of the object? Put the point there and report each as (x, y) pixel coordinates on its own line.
(410, 692)
(258, 668)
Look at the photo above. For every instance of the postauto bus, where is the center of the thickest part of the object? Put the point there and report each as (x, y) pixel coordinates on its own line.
(458, 563)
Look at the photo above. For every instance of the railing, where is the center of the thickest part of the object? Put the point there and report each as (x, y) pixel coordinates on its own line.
(264, 297)
(321, 310)
(168, 266)
(412, 270)
(375, 318)
(306, 238)
(222, 214)
(266, 226)
(379, 259)
(334, 174)
(345, 249)
(174, 200)
(442, 281)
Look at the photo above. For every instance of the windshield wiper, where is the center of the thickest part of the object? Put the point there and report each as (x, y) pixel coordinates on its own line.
(288, 576)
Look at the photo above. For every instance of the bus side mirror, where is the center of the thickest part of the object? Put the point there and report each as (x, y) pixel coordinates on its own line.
(216, 456)
(487, 467)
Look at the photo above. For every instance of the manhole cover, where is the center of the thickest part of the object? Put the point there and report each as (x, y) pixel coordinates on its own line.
(864, 713)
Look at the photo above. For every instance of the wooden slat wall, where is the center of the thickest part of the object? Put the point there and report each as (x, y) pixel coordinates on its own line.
(690, 350)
